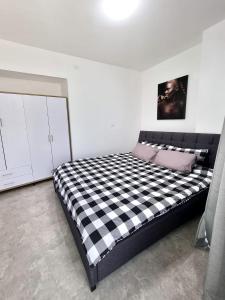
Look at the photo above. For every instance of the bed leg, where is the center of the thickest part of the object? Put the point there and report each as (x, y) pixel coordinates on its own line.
(92, 288)
(92, 273)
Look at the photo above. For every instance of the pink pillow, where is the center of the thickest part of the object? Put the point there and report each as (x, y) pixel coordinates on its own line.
(175, 160)
(144, 152)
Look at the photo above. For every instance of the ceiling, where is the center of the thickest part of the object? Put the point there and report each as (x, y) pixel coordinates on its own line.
(158, 30)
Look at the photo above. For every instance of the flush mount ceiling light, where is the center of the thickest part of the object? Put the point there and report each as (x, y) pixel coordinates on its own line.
(118, 10)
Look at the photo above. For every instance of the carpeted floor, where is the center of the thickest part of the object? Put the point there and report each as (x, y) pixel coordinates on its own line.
(39, 260)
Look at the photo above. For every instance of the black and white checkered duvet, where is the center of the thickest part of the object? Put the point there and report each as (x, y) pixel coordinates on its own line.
(111, 197)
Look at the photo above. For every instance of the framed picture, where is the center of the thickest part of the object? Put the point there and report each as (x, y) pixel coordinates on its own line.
(172, 96)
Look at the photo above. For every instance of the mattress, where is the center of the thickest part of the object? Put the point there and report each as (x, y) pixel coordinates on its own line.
(111, 197)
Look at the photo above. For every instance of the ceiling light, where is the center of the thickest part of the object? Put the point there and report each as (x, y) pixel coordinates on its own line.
(118, 10)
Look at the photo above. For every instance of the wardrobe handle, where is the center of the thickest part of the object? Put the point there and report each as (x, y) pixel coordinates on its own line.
(1, 123)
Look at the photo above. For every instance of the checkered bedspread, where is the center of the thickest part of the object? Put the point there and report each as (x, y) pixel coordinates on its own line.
(110, 197)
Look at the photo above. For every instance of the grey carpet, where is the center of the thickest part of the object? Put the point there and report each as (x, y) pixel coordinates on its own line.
(38, 258)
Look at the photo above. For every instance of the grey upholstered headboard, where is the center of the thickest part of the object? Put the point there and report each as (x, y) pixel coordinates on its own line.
(185, 140)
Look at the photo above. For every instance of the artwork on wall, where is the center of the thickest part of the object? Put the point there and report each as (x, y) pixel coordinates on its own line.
(172, 96)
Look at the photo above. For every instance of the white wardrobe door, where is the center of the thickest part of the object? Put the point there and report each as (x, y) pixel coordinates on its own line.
(58, 122)
(13, 130)
(2, 158)
(38, 134)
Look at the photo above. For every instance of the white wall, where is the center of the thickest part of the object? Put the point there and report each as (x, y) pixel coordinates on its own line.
(104, 100)
(205, 65)
(211, 104)
(15, 82)
(109, 105)
(186, 63)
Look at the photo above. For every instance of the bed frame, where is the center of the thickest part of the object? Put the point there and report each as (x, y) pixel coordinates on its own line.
(158, 227)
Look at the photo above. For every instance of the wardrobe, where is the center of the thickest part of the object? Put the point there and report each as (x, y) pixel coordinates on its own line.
(34, 138)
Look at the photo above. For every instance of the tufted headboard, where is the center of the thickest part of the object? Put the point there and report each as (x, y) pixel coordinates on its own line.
(185, 140)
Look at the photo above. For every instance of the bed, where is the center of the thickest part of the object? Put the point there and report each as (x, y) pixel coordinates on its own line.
(118, 205)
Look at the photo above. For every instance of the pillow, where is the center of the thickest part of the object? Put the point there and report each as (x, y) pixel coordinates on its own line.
(154, 145)
(175, 160)
(200, 153)
(144, 152)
